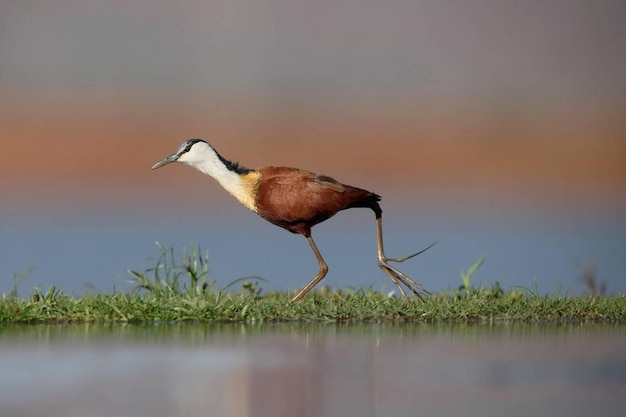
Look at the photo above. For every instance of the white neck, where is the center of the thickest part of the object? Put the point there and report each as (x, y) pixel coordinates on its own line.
(210, 164)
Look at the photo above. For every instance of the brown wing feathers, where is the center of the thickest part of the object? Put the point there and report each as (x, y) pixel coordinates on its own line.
(297, 200)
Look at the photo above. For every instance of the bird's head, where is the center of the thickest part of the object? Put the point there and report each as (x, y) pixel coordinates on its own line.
(191, 152)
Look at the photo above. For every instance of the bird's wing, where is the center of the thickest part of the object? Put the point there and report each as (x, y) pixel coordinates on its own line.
(297, 200)
(325, 181)
(293, 195)
(299, 180)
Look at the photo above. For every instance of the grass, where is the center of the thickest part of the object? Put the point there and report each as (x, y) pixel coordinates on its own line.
(178, 289)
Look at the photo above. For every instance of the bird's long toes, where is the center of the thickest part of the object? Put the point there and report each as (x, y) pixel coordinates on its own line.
(398, 277)
(394, 278)
(412, 255)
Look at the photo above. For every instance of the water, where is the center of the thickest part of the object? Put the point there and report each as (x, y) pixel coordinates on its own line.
(313, 370)
(78, 247)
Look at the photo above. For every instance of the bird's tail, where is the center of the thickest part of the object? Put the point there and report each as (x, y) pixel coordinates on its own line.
(370, 201)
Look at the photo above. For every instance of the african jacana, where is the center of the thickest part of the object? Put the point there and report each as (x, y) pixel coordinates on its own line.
(293, 199)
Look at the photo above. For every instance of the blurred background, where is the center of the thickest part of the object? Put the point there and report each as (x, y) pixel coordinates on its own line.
(497, 128)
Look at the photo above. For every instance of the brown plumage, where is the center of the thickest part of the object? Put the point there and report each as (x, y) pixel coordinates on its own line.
(297, 200)
(293, 199)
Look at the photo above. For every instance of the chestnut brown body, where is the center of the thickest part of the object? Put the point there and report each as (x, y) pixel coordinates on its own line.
(297, 200)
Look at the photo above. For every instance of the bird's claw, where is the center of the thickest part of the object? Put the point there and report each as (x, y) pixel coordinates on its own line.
(398, 277)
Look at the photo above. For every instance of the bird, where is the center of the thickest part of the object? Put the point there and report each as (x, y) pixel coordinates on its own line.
(294, 199)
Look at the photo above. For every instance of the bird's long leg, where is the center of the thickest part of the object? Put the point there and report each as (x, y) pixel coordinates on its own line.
(397, 277)
(321, 274)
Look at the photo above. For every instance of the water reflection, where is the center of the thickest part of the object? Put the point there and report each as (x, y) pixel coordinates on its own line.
(312, 369)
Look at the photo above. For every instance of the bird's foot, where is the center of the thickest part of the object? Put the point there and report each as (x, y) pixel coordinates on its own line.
(398, 277)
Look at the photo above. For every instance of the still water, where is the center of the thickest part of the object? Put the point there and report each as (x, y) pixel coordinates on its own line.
(313, 370)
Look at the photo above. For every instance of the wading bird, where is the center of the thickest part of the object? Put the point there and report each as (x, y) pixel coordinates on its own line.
(293, 199)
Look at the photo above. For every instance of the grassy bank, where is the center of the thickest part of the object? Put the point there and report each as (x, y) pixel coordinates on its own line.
(177, 289)
(54, 306)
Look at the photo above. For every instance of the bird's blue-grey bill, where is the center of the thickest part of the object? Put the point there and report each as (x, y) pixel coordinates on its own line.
(164, 161)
